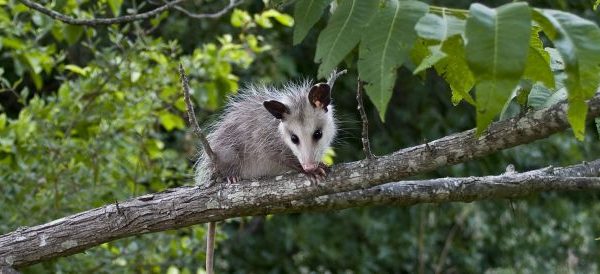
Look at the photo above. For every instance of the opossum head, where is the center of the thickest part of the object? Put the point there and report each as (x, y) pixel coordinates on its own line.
(306, 123)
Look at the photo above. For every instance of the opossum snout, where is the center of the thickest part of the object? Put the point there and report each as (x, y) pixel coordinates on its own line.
(310, 167)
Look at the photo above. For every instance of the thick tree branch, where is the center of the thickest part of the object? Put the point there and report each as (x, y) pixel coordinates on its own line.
(127, 18)
(573, 178)
(176, 208)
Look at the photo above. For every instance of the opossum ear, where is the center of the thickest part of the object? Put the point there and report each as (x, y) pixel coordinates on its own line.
(278, 109)
(320, 96)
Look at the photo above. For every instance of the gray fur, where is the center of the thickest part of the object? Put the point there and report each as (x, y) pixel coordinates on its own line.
(251, 143)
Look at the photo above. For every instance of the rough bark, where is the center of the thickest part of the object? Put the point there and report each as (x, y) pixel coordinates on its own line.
(511, 185)
(176, 208)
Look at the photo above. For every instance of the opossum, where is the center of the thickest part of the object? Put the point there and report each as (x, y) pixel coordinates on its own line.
(266, 131)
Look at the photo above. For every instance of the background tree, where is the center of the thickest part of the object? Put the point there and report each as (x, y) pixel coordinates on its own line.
(94, 114)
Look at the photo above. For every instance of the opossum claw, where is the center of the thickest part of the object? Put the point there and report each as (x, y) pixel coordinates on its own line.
(232, 179)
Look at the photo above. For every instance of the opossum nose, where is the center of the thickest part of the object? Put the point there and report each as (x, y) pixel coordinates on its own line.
(310, 167)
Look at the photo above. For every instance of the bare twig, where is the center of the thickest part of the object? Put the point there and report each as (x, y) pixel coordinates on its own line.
(232, 4)
(210, 247)
(365, 121)
(458, 223)
(127, 18)
(192, 116)
(333, 76)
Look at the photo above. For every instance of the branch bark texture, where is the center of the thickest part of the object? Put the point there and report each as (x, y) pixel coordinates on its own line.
(181, 207)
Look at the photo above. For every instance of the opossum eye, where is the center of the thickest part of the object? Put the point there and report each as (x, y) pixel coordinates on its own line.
(295, 139)
(318, 134)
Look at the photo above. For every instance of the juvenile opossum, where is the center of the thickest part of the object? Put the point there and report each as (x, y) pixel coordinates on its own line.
(265, 132)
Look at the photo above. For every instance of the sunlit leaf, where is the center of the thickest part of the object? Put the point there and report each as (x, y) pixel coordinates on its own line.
(455, 70)
(115, 6)
(171, 121)
(76, 69)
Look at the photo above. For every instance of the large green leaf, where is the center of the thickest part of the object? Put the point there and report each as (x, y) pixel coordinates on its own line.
(306, 14)
(439, 28)
(497, 47)
(578, 42)
(342, 32)
(385, 45)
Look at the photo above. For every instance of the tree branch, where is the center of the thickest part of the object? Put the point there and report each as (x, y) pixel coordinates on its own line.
(193, 123)
(127, 18)
(181, 207)
(405, 193)
(365, 121)
(232, 4)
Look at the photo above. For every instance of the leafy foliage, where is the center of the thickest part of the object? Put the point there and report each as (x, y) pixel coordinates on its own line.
(578, 42)
(495, 51)
(90, 116)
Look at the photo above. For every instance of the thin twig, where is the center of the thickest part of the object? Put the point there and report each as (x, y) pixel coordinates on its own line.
(192, 116)
(210, 247)
(333, 76)
(365, 122)
(458, 223)
(127, 18)
(232, 4)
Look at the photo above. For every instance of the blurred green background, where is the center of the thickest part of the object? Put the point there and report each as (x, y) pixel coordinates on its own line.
(90, 116)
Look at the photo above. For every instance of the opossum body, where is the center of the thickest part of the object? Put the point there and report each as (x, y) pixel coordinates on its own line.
(265, 132)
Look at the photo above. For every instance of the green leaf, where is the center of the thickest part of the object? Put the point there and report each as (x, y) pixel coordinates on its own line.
(497, 54)
(306, 14)
(578, 42)
(170, 121)
(385, 45)
(541, 97)
(342, 32)
(538, 68)
(439, 28)
(435, 55)
(76, 69)
(72, 33)
(2, 121)
(595, 8)
(13, 43)
(282, 18)
(455, 70)
(115, 6)
(240, 18)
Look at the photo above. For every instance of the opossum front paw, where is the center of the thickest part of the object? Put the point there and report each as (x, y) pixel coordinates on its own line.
(318, 174)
